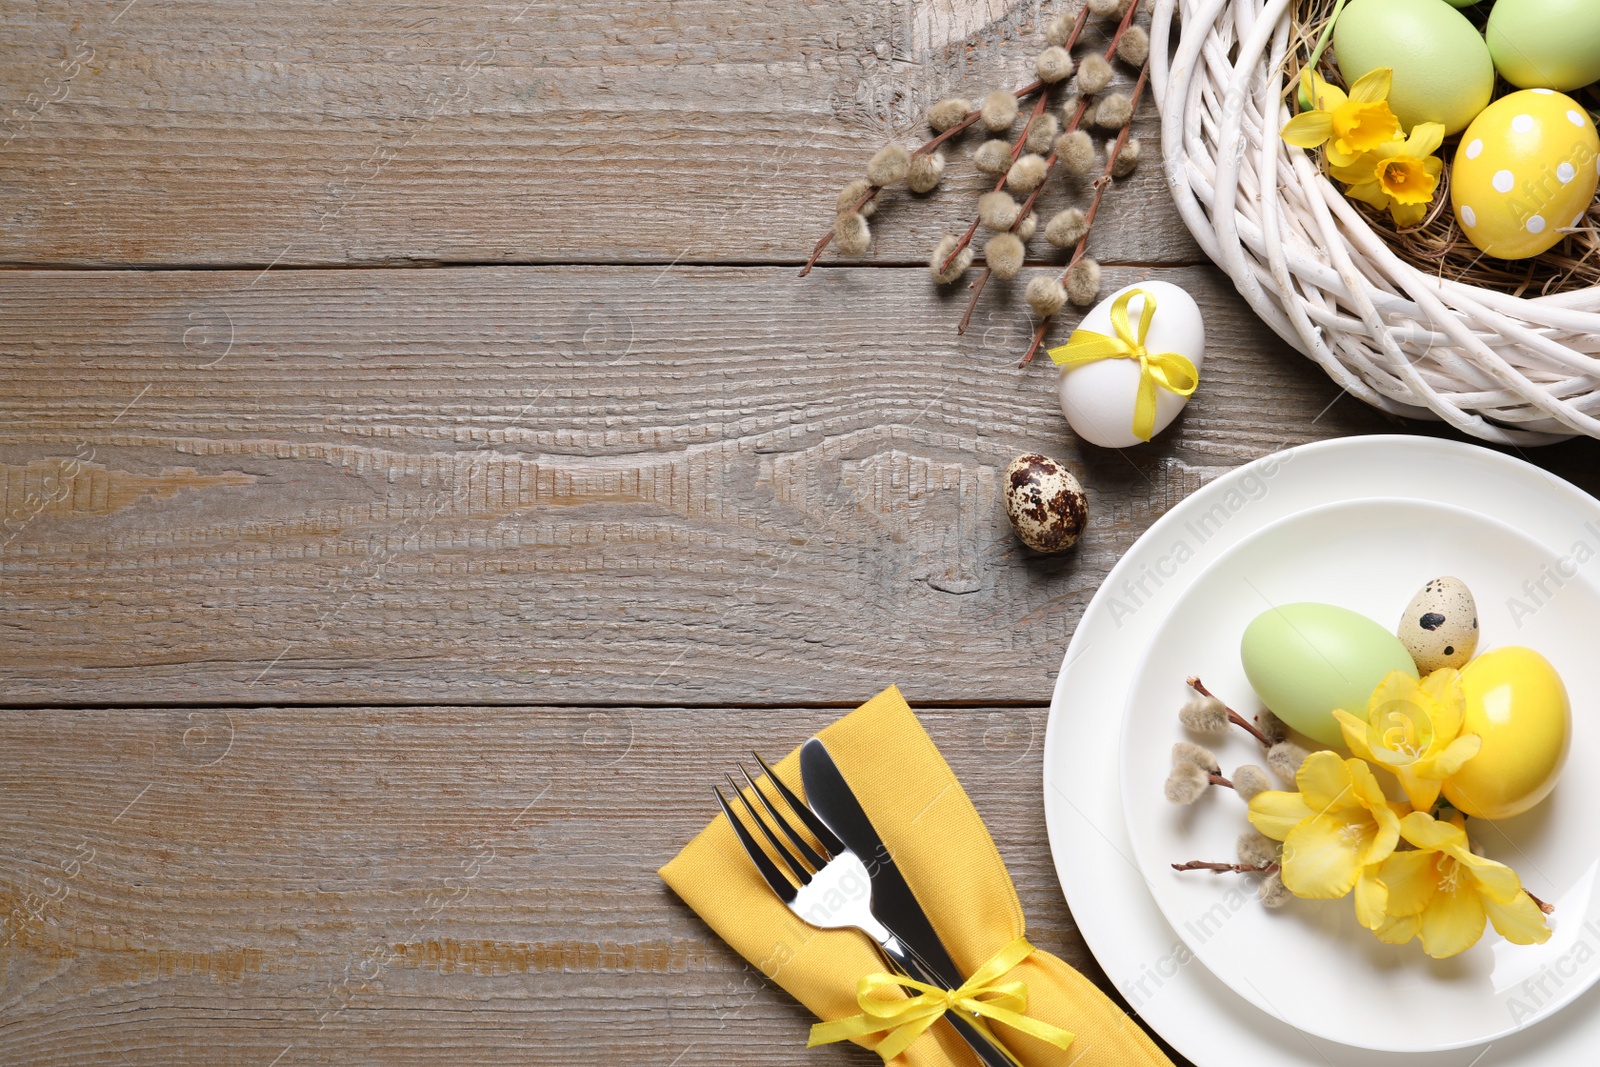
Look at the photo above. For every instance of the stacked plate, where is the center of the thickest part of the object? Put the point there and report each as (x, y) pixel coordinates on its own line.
(1362, 523)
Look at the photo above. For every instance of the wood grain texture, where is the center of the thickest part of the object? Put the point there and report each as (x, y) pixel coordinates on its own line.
(362, 886)
(302, 132)
(563, 485)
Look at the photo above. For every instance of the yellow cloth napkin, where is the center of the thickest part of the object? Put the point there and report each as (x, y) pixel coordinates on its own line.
(945, 852)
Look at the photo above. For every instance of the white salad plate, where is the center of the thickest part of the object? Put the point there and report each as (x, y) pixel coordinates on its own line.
(1369, 555)
(1112, 903)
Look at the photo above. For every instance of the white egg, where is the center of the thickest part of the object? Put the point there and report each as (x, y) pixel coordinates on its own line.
(1098, 398)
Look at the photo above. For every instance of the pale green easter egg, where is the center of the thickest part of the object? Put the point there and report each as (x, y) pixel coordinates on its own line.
(1442, 69)
(1305, 660)
(1545, 44)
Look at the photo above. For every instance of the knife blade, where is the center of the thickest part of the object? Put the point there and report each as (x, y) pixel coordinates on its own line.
(893, 902)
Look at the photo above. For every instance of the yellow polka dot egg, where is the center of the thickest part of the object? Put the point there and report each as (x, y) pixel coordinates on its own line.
(1525, 170)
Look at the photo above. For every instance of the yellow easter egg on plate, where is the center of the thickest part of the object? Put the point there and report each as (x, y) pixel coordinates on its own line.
(1526, 168)
(1517, 703)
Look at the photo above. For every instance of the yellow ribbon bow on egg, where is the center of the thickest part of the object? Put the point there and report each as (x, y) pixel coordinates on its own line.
(1169, 370)
(904, 1019)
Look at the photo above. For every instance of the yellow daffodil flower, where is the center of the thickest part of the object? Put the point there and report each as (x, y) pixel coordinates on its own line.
(1442, 893)
(1335, 831)
(1413, 730)
(1348, 125)
(1401, 176)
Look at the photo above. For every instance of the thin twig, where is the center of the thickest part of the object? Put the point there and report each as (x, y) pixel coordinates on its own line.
(1226, 868)
(1546, 908)
(1233, 716)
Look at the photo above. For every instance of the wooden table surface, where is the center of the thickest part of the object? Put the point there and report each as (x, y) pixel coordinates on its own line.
(424, 474)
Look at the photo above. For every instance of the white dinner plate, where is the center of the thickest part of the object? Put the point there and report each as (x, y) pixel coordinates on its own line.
(1371, 556)
(1111, 902)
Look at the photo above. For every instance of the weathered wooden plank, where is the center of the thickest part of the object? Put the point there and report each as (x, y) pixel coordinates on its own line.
(206, 132)
(379, 886)
(565, 485)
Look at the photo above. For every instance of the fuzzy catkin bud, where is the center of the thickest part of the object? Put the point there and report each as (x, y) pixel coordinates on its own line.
(1064, 230)
(947, 112)
(1094, 74)
(1104, 8)
(1059, 29)
(1271, 726)
(1042, 133)
(1256, 848)
(926, 170)
(851, 233)
(1127, 161)
(1273, 893)
(999, 110)
(1285, 758)
(992, 157)
(997, 210)
(1004, 254)
(941, 252)
(1205, 715)
(1186, 784)
(1045, 295)
(1027, 173)
(1083, 282)
(1189, 752)
(1025, 229)
(1113, 112)
(851, 195)
(1075, 153)
(1053, 65)
(1134, 48)
(1250, 781)
(889, 166)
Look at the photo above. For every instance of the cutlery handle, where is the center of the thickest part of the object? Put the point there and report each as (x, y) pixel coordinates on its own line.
(989, 1053)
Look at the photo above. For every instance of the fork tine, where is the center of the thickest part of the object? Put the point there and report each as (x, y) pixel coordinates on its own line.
(830, 842)
(799, 869)
(807, 853)
(769, 870)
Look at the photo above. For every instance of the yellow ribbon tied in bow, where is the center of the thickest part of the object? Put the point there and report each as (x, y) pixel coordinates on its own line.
(1167, 370)
(904, 1019)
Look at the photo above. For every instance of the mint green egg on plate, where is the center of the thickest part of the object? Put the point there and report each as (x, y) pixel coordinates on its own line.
(1305, 660)
(1546, 44)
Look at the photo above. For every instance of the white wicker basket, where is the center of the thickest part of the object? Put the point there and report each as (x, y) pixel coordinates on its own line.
(1496, 366)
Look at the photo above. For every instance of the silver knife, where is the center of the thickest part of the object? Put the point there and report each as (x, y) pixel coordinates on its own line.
(893, 902)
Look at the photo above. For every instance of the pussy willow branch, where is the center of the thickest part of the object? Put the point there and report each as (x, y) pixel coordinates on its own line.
(1194, 682)
(921, 150)
(1226, 868)
(1100, 185)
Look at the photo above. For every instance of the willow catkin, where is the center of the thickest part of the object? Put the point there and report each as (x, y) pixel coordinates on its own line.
(947, 112)
(1104, 8)
(851, 195)
(941, 252)
(1113, 111)
(1042, 133)
(1134, 47)
(992, 157)
(926, 170)
(890, 166)
(1025, 229)
(1064, 230)
(999, 111)
(1083, 282)
(851, 233)
(1004, 254)
(1027, 173)
(1075, 153)
(1053, 65)
(1094, 74)
(1186, 784)
(1253, 846)
(1250, 781)
(1058, 31)
(1045, 295)
(1127, 161)
(1189, 752)
(997, 210)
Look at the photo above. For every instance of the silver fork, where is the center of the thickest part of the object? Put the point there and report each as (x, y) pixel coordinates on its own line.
(831, 889)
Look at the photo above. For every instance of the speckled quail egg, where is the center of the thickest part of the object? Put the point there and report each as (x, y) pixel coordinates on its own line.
(1440, 625)
(1044, 502)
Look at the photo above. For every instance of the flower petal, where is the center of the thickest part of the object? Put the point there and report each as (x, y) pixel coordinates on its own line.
(1368, 193)
(1398, 929)
(1426, 832)
(1411, 878)
(1453, 920)
(1407, 214)
(1308, 129)
(1519, 922)
(1425, 139)
(1372, 86)
(1276, 812)
(1372, 898)
(1454, 756)
(1354, 729)
(1421, 791)
(1324, 781)
(1495, 881)
(1444, 686)
(1321, 856)
(1327, 96)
